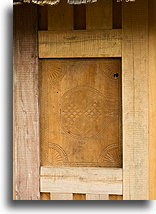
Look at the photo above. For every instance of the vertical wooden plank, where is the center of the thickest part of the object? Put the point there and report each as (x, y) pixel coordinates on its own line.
(97, 197)
(80, 17)
(99, 15)
(152, 99)
(25, 109)
(61, 196)
(135, 100)
(60, 17)
(43, 17)
(117, 14)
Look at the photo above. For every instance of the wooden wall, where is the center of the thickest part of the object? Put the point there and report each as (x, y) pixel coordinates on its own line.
(138, 115)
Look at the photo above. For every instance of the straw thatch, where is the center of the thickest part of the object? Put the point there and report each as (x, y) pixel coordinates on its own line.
(52, 2)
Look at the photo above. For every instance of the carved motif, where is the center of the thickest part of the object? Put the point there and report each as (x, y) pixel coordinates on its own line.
(56, 154)
(83, 111)
(110, 156)
(55, 74)
(112, 72)
(78, 124)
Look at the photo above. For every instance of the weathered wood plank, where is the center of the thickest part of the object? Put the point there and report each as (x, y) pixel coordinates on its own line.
(70, 44)
(135, 100)
(99, 15)
(25, 104)
(97, 197)
(152, 99)
(61, 196)
(81, 180)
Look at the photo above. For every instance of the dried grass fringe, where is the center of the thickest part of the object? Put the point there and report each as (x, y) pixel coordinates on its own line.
(54, 2)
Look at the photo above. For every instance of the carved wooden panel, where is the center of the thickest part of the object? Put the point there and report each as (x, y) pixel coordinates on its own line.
(80, 108)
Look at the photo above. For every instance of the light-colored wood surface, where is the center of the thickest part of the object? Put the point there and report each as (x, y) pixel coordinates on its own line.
(25, 104)
(83, 43)
(97, 197)
(152, 101)
(81, 180)
(99, 15)
(80, 108)
(135, 100)
(61, 196)
(60, 17)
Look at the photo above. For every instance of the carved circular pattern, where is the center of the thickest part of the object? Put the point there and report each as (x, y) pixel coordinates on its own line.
(111, 71)
(55, 74)
(82, 112)
(110, 156)
(55, 154)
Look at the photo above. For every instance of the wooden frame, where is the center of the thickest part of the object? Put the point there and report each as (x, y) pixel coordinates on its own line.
(81, 180)
(26, 114)
(152, 69)
(135, 100)
(138, 103)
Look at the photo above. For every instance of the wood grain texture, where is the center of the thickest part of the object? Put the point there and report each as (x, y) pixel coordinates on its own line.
(61, 196)
(99, 15)
(79, 17)
(80, 107)
(81, 180)
(97, 197)
(135, 100)
(44, 196)
(117, 15)
(72, 44)
(25, 104)
(115, 197)
(79, 197)
(60, 17)
(152, 159)
(42, 18)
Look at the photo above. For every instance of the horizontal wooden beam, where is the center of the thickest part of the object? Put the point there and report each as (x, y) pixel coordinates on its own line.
(97, 197)
(61, 196)
(80, 43)
(81, 180)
